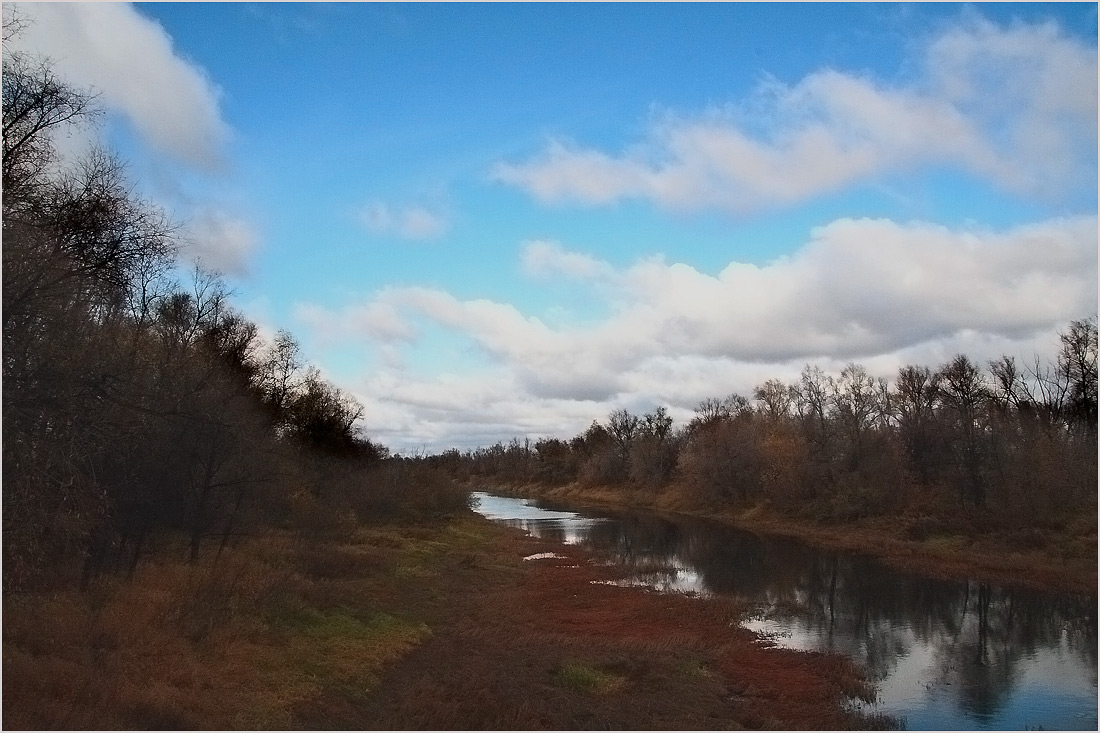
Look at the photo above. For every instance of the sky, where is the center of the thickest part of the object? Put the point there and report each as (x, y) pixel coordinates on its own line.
(489, 221)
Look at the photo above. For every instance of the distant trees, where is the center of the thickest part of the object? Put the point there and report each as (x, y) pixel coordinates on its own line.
(653, 450)
(915, 401)
(963, 392)
(1007, 443)
(555, 461)
(602, 456)
(1076, 370)
(722, 449)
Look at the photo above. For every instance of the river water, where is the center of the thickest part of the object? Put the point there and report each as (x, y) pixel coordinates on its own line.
(945, 655)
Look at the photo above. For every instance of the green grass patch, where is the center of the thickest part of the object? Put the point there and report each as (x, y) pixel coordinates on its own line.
(406, 570)
(584, 678)
(694, 669)
(340, 623)
(944, 544)
(340, 653)
(469, 534)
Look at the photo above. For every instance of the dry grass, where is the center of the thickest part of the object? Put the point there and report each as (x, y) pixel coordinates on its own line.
(400, 627)
(235, 644)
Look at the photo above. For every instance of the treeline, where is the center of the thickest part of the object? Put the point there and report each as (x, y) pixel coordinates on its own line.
(1009, 444)
(140, 410)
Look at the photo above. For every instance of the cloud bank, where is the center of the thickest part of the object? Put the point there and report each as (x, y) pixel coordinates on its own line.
(869, 290)
(1016, 106)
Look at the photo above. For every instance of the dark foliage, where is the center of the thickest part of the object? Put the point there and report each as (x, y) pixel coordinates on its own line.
(137, 409)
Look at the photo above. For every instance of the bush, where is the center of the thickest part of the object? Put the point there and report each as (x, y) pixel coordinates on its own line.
(409, 489)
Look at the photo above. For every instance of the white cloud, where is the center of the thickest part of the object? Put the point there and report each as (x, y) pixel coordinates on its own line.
(378, 320)
(411, 414)
(410, 222)
(219, 241)
(543, 259)
(872, 291)
(1017, 106)
(130, 61)
(1032, 89)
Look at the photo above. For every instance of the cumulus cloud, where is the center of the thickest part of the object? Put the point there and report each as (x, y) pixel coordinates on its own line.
(219, 241)
(1017, 106)
(414, 415)
(130, 61)
(410, 222)
(869, 290)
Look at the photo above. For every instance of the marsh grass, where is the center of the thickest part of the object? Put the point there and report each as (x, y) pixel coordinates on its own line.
(579, 676)
(412, 626)
(239, 642)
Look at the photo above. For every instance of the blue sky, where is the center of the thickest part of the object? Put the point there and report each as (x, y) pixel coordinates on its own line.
(502, 220)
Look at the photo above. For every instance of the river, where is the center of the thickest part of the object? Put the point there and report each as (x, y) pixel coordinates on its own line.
(945, 655)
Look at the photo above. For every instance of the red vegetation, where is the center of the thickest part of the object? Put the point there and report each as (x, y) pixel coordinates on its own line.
(496, 657)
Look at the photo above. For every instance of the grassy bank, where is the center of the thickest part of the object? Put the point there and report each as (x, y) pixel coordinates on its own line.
(965, 547)
(441, 626)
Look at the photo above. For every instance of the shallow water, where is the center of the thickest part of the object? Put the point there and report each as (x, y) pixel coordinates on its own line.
(945, 655)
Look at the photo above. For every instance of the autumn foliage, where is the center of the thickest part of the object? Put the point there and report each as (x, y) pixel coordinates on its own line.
(1005, 446)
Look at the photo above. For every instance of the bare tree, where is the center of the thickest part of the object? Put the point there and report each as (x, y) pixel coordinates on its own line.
(654, 450)
(623, 426)
(962, 391)
(36, 102)
(915, 403)
(1077, 368)
(774, 399)
(855, 399)
(279, 374)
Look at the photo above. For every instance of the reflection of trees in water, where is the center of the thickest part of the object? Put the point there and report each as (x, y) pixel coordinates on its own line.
(635, 540)
(978, 633)
(981, 658)
(1081, 634)
(1000, 628)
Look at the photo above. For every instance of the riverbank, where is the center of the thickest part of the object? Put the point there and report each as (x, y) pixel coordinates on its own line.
(443, 626)
(1067, 563)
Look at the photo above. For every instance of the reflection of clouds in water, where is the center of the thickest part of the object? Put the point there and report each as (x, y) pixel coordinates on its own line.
(1049, 663)
(544, 556)
(566, 531)
(568, 528)
(941, 678)
(500, 507)
(909, 686)
(672, 580)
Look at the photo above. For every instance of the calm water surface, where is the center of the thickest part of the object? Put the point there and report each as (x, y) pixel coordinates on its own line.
(945, 655)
